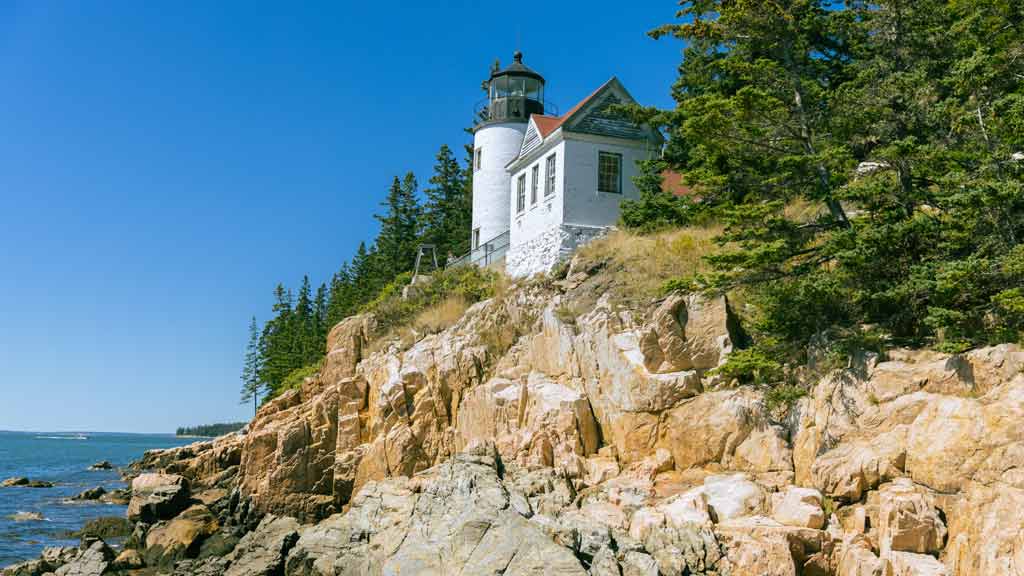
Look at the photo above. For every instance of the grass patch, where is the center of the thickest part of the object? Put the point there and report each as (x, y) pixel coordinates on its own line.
(433, 304)
(639, 265)
(442, 315)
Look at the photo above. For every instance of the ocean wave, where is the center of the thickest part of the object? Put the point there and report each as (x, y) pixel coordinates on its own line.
(75, 437)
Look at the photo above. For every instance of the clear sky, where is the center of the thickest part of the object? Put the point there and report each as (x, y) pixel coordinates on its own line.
(164, 165)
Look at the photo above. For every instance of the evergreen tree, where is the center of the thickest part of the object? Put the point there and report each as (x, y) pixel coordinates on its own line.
(447, 214)
(305, 330)
(340, 301)
(320, 318)
(398, 238)
(252, 386)
(792, 116)
(277, 341)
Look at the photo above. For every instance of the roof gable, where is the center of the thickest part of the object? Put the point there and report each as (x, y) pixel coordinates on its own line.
(532, 138)
(595, 116)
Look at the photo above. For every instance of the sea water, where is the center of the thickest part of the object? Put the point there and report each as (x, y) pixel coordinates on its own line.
(64, 459)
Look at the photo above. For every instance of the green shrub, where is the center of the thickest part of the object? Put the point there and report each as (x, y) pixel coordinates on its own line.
(784, 395)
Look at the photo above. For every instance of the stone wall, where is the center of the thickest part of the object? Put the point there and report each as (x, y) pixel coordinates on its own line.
(544, 251)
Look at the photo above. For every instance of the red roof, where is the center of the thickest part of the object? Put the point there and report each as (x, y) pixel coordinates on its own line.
(675, 183)
(548, 124)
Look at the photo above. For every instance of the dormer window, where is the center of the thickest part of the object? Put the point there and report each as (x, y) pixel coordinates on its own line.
(609, 172)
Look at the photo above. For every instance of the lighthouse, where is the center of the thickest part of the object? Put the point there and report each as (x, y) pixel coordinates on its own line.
(513, 94)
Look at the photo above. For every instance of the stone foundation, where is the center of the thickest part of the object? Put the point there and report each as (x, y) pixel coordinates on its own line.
(544, 251)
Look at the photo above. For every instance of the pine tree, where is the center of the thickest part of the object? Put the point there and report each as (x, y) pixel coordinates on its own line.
(252, 386)
(320, 320)
(277, 341)
(793, 115)
(399, 229)
(447, 213)
(340, 301)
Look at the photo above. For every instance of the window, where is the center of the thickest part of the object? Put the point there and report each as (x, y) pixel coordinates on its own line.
(609, 172)
(521, 193)
(478, 158)
(476, 238)
(549, 173)
(534, 183)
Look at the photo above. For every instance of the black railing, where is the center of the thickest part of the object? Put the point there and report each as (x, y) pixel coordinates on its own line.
(488, 253)
(507, 109)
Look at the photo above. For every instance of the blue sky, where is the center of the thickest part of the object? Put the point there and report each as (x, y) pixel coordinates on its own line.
(164, 165)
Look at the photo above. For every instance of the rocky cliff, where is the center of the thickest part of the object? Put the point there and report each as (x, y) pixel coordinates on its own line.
(555, 430)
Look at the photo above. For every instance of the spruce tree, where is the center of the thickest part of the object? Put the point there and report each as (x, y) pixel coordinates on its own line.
(251, 383)
(447, 214)
(862, 159)
(398, 238)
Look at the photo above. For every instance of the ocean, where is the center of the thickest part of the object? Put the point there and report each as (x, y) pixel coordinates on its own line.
(62, 458)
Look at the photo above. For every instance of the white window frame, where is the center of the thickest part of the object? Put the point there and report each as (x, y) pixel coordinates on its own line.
(550, 168)
(476, 238)
(534, 184)
(521, 193)
(478, 158)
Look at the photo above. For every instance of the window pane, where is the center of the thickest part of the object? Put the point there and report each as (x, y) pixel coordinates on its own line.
(609, 172)
(521, 193)
(549, 183)
(534, 177)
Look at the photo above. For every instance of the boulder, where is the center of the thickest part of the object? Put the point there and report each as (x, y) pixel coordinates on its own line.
(128, 560)
(907, 520)
(799, 507)
(639, 564)
(94, 560)
(27, 517)
(748, 554)
(854, 467)
(157, 497)
(90, 494)
(956, 440)
(455, 518)
(180, 537)
(21, 481)
(646, 519)
(262, 552)
(854, 557)
(729, 427)
(985, 531)
(102, 465)
(688, 508)
(910, 564)
(688, 332)
(733, 496)
(690, 550)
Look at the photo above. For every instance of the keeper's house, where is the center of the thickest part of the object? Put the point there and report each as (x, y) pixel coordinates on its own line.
(543, 185)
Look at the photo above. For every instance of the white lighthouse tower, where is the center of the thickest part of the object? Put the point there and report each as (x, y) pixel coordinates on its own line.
(513, 94)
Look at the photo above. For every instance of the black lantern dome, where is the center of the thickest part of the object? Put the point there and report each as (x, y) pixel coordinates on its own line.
(513, 93)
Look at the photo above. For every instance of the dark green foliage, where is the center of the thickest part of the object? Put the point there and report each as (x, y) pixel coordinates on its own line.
(655, 209)
(252, 385)
(902, 122)
(210, 430)
(448, 211)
